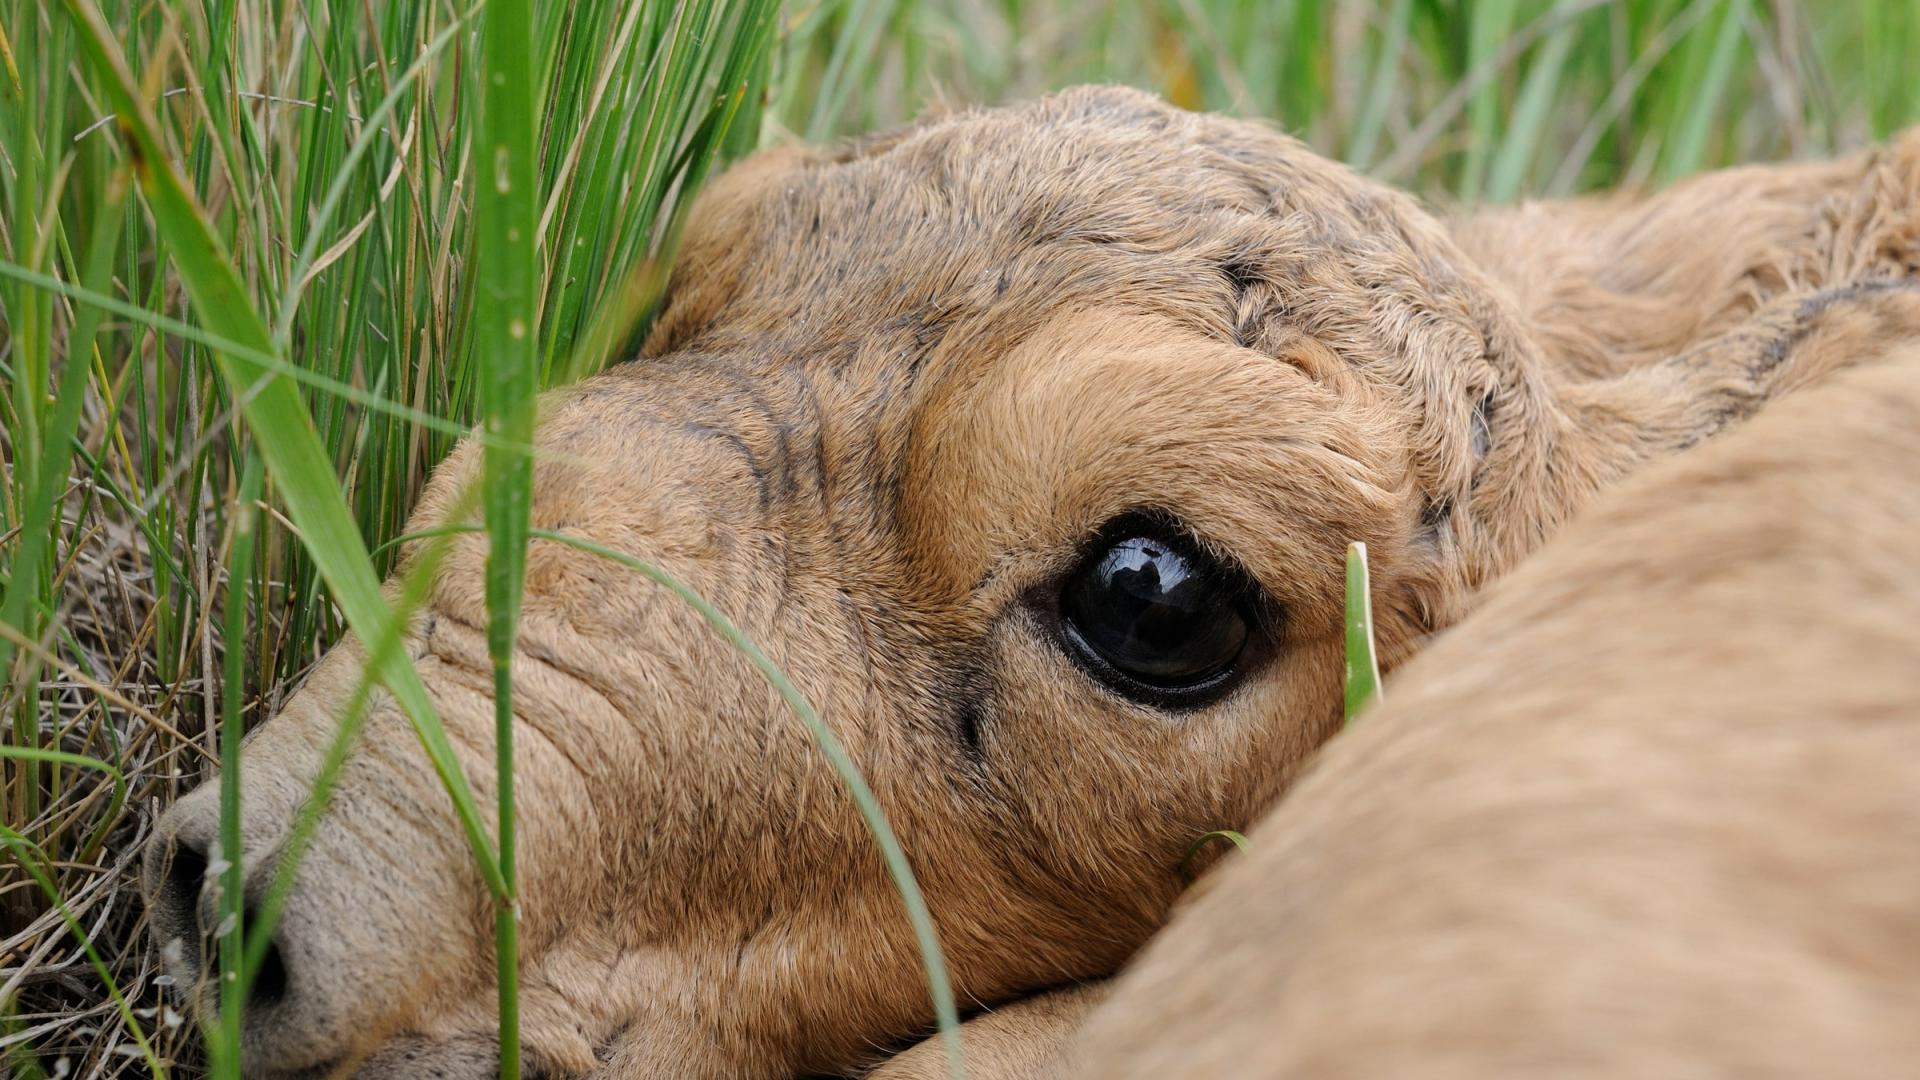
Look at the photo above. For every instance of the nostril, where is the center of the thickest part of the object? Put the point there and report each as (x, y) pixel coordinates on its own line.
(270, 982)
(186, 874)
(185, 920)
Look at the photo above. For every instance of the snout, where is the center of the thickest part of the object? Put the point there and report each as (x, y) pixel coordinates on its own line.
(183, 876)
(630, 714)
(382, 910)
(298, 1012)
(375, 907)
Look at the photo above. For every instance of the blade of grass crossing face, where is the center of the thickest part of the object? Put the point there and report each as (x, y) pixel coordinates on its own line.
(415, 584)
(244, 520)
(1363, 669)
(301, 468)
(506, 212)
(931, 956)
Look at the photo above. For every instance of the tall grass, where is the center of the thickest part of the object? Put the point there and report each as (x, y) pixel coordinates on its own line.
(281, 208)
(262, 261)
(1460, 99)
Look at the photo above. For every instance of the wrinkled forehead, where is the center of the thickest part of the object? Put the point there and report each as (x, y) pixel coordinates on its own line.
(1015, 212)
(891, 311)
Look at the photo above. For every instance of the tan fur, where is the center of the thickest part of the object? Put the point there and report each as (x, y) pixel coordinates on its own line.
(897, 387)
(1649, 812)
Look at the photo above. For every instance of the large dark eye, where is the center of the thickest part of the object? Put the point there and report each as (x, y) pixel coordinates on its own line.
(1155, 618)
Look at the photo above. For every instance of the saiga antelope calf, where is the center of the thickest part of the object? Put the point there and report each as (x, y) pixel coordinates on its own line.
(1027, 440)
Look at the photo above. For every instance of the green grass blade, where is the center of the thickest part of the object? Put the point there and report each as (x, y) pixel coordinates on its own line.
(244, 520)
(930, 953)
(506, 213)
(1380, 89)
(37, 515)
(1687, 150)
(415, 586)
(30, 184)
(62, 757)
(853, 48)
(1520, 145)
(1363, 668)
(325, 384)
(1489, 25)
(330, 204)
(932, 958)
(1194, 849)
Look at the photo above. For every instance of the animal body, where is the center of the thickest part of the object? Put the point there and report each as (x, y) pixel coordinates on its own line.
(1027, 441)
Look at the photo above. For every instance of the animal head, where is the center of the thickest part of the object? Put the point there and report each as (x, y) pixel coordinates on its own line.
(1027, 441)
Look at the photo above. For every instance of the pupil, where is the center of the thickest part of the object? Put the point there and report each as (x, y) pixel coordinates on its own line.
(1153, 613)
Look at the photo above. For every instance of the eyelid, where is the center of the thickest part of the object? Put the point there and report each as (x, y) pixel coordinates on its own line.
(1170, 529)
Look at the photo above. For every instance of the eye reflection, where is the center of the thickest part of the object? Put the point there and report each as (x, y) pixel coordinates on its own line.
(1153, 617)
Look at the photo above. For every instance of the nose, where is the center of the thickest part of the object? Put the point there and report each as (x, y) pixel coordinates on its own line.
(365, 925)
(388, 925)
(184, 873)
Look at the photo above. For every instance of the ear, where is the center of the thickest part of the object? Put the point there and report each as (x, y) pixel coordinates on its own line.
(740, 216)
(1613, 283)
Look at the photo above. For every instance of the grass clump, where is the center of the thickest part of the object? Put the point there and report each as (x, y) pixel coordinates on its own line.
(238, 292)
